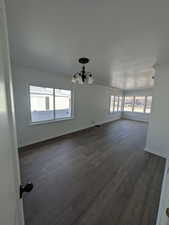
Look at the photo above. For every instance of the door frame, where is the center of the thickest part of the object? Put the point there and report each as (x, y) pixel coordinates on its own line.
(162, 218)
(19, 220)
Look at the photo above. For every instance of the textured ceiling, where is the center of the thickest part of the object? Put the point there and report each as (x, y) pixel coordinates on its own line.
(123, 39)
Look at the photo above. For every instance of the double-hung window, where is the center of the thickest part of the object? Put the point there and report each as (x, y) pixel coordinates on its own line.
(47, 104)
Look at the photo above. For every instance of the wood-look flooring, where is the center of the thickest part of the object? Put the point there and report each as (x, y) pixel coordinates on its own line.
(99, 176)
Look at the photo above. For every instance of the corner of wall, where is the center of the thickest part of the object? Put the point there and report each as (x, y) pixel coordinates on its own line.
(156, 152)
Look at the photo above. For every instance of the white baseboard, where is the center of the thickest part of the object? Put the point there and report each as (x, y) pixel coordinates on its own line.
(71, 131)
(161, 154)
(134, 119)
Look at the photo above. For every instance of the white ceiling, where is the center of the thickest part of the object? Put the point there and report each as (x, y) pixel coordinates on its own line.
(123, 38)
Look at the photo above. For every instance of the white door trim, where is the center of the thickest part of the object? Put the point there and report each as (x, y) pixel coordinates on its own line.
(13, 153)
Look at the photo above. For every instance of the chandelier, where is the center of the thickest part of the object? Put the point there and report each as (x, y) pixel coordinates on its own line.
(83, 76)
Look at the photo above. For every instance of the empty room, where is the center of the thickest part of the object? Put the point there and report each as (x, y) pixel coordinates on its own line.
(84, 112)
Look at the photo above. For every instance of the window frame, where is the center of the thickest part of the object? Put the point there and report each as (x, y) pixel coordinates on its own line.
(132, 106)
(121, 110)
(55, 119)
(110, 104)
(122, 99)
(115, 104)
(145, 101)
(148, 113)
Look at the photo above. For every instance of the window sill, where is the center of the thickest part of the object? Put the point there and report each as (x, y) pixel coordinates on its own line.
(111, 113)
(50, 121)
(136, 112)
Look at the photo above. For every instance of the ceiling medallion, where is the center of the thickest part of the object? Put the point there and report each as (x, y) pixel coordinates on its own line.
(83, 76)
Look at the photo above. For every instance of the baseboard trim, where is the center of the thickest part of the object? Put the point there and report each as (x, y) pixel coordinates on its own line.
(137, 120)
(163, 155)
(49, 140)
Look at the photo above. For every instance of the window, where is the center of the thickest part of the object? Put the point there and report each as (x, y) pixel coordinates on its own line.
(139, 104)
(62, 103)
(112, 104)
(115, 103)
(44, 100)
(128, 103)
(116, 100)
(41, 100)
(148, 104)
(120, 104)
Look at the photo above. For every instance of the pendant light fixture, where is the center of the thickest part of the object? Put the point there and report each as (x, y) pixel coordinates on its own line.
(83, 76)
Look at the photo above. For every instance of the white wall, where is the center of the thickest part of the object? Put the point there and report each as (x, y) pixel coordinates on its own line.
(91, 105)
(158, 132)
(135, 115)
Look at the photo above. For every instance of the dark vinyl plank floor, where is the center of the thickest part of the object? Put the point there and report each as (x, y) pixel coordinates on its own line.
(99, 176)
